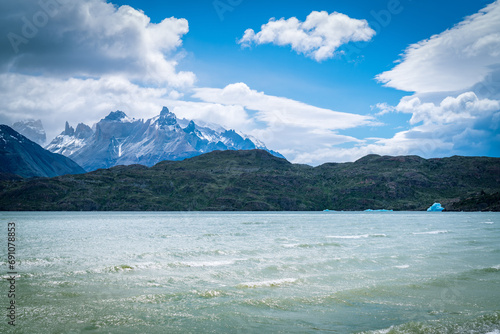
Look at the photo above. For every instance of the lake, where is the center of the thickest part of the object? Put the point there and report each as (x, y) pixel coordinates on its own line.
(247, 272)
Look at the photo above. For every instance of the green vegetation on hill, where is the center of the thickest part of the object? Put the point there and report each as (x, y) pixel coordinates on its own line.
(256, 180)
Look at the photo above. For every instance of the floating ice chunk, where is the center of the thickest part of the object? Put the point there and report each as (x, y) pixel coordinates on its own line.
(436, 207)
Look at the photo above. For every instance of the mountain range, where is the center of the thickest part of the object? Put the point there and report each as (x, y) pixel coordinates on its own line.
(23, 157)
(256, 180)
(31, 129)
(120, 140)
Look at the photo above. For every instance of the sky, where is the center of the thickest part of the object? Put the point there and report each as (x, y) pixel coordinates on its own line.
(318, 81)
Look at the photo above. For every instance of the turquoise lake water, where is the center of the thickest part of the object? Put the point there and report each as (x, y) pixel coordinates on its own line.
(321, 272)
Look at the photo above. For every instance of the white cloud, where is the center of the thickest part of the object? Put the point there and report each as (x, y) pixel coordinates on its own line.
(228, 116)
(465, 107)
(281, 110)
(455, 109)
(56, 100)
(462, 125)
(283, 124)
(318, 37)
(383, 107)
(65, 60)
(91, 38)
(453, 60)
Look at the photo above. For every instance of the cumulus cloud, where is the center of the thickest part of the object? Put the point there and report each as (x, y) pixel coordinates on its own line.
(463, 108)
(56, 100)
(318, 37)
(456, 108)
(90, 38)
(66, 60)
(453, 60)
(461, 125)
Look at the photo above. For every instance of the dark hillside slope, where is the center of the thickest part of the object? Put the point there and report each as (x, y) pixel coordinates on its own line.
(21, 156)
(257, 180)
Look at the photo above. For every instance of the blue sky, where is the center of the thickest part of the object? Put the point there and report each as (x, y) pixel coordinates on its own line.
(395, 76)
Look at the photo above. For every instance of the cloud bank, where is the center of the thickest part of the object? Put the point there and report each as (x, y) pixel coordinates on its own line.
(456, 126)
(90, 38)
(453, 60)
(78, 60)
(273, 109)
(456, 107)
(284, 124)
(318, 37)
(56, 100)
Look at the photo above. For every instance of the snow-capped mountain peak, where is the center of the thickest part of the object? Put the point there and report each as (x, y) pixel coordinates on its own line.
(166, 118)
(120, 140)
(68, 130)
(118, 116)
(31, 129)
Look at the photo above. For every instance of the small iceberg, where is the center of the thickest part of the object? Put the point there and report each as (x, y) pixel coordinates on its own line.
(378, 210)
(327, 210)
(436, 207)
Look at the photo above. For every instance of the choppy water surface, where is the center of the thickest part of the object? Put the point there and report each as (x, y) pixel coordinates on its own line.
(318, 272)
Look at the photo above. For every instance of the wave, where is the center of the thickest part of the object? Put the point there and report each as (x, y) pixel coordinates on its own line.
(404, 266)
(42, 262)
(162, 298)
(122, 267)
(320, 244)
(271, 283)
(477, 274)
(431, 232)
(211, 293)
(360, 236)
(187, 254)
(205, 235)
(485, 324)
(492, 269)
(205, 263)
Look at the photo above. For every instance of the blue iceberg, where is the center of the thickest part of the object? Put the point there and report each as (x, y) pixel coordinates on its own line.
(436, 207)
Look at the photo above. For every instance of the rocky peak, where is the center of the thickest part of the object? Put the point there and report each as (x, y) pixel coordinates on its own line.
(31, 129)
(190, 127)
(164, 111)
(115, 116)
(167, 117)
(83, 131)
(68, 130)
